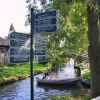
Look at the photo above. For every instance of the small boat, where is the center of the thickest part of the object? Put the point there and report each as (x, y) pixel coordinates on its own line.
(58, 81)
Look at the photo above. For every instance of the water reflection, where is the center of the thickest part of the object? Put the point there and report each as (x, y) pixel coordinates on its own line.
(16, 91)
(67, 72)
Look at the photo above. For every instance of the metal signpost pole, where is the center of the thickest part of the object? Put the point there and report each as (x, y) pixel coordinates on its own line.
(32, 56)
(40, 23)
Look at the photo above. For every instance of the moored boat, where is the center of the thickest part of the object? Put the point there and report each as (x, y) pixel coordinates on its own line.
(58, 81)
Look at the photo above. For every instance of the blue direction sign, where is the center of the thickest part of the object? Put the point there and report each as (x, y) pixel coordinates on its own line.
(46, 14)
(17, 43)
(39, 52)
(19, 59)
(37, 44)
(40, 58)
(40, 41)
(45, 29)
(21, 36)
(45, 22)
(40, 48)
(18, 51)
(42, 22)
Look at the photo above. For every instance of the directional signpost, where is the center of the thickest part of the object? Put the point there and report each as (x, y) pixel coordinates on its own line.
(40, 48)
(40, 23)
(19, 48)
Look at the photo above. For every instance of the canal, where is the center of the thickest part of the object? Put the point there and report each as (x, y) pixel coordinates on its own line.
(21, 90)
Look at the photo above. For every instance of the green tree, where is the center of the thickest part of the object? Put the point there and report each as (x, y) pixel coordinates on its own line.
(68, 34)
(71, 34)
(78, 24)
(94, 46)
(11, 29)
(34, 4)
(93, 36)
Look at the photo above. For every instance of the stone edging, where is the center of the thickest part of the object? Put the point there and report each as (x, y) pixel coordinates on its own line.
(16, 79)
(13, 80)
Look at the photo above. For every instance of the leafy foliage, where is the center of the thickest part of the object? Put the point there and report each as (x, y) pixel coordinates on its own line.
(72, 31)
(38, 6)
(71, 34)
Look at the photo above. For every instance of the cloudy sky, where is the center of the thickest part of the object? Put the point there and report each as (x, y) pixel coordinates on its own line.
(12, 11)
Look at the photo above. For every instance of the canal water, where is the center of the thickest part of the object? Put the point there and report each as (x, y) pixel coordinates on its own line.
(21, 90)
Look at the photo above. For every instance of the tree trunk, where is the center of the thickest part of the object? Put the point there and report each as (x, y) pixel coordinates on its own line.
(94, 50)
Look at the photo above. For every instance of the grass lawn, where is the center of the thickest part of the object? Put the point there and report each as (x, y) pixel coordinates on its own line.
(86, 75)
(10, 72)
(76, 95)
